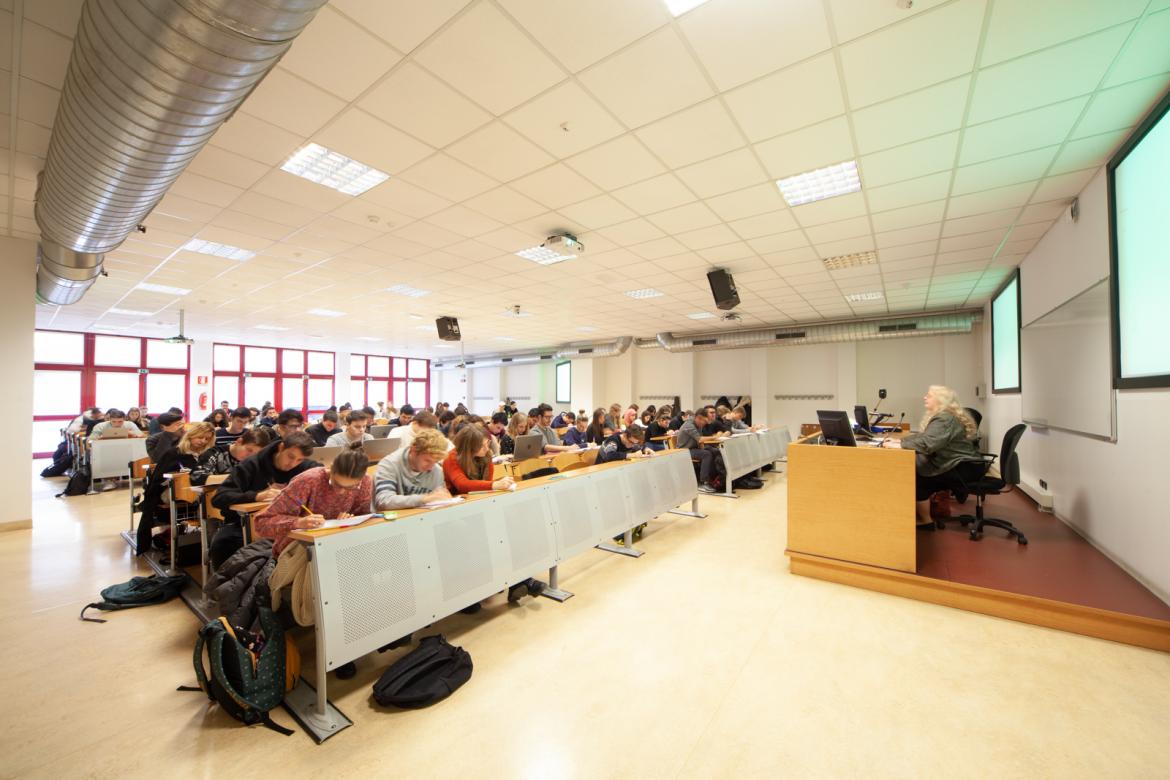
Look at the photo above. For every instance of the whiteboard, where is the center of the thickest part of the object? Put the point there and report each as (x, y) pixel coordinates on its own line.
(1067, 369)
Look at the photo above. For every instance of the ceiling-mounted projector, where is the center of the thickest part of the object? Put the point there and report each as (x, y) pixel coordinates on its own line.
(179, 339)
(565, 243)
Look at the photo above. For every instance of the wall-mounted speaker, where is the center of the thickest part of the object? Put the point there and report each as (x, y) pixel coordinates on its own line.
(448, 328)
(723, 289)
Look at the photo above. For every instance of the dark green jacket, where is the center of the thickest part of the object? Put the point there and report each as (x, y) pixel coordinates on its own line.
(944, 443)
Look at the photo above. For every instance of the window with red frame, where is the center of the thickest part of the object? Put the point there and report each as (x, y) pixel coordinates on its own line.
(287, 378)
(76, 371)
(374, 378)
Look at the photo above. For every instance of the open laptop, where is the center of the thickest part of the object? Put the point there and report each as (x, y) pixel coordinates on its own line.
(376, 449)
(381, 431)
(325, 455)
(528, 446)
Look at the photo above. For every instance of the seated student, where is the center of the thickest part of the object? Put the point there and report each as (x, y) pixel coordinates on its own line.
(495, 429)
(630, 416)
(469, 467)
(354, 431)
(258, 478)
(226, 408)
(369, 410)
(598, 431)
(156, 424)
(237, 424)
(735, 418)
(621, 445)
(422, 421)
(134, 417)
(269, 416)
(947, 438)
(613, 420)
(288, 421)
(564, 420)
(146, 418)
(390, 414)
(115, 427)
(223, 460)
(218, 418)
(543, 426)
(710, 461)
(658, 427)
(198, 440)
(645, 418)
(170, 428)
(714, 426)
(405, 415)
(677, 421)
(410, 477)
(445, 420)
(577, 436)
(517, 426)
(256, 416)
(323, 430)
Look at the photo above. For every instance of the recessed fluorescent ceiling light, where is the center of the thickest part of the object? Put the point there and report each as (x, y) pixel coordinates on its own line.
(865, 296)
(408, 291)
(268, 327)
(369, 338)
(701, 315)
(588, 329)
(444, 346)
(504, 338)
(218, 250)
(326, 313)
(162, 288)
(424, 327)
(333, 169)
(542, 256)
(680, 7)
(820, 184)
(849, 261)
(415, 316)
(130, 312)
(648, 292)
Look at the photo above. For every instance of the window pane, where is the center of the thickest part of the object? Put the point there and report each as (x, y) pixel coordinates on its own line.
(320, 363)
(227, 388)
(357, 365)
(292, 393)
(166, 390)
(260, 360)
(117, 351)
(377, 366)
(54, 347)
(292, 361)
(117, 390)
(227, 358)
(259, 390)
(46, 435)
(160, 354)
(418, 370)
(399, 366)
(417, 394)
(1005, 339)
(376, 390)
(320, 393)
(57, 392)
(357, 392)
(398, 396)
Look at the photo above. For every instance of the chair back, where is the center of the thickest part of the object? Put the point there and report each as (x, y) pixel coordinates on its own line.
(138, 468)
(525, 467)
(1009, 462)
(974, 415)
(589, 457)
(565, 459)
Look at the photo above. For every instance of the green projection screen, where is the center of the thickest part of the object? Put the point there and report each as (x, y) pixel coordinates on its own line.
(1005, 338)
(564, 382)
(1139, 228)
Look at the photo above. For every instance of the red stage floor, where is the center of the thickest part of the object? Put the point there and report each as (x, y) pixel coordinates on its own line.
(1057, 563)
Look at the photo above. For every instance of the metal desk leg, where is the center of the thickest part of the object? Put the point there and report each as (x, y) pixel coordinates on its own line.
(173, 568)
(204, 557)
(694, 510)
(309, 705)
(627, 547)
(553, 591)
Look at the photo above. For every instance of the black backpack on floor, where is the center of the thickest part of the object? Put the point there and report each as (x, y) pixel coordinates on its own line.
(78, 484)
(138, 592)
(428, 674)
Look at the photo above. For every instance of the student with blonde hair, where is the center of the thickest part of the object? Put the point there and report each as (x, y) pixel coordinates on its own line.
(197, 443)
(410, 477)
(945, 443)
(517, 426)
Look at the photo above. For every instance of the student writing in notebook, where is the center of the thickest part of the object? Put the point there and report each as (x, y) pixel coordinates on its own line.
(411, 477)
(469, 467)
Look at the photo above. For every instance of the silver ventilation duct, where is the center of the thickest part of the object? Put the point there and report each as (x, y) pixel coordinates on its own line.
(149, 82)
(611, 349)
(820, 333)
(605, 349)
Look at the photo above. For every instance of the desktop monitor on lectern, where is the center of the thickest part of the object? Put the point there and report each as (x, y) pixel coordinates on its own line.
(861, 414)
(836, 428)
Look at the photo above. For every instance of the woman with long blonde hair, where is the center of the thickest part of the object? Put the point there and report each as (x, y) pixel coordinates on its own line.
(945, 445)
(517, 426)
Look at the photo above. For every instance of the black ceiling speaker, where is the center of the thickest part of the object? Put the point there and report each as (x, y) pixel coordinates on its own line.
(448, 328)
(723, 289)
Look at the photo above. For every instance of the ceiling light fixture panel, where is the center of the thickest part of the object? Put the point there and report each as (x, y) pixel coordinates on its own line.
(588, 329)
(408, 291)
(701, 315)
(269, 327)
(646, 292)
(543, 256)
(861, 297)
(828, 182)
(326, 313)
(130, 312)
(333, 169)
(216, 249)
(853, 260)
(162, 288)
(679, 7)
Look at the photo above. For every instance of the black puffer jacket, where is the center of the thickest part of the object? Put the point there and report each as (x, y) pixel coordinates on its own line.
(240, 585)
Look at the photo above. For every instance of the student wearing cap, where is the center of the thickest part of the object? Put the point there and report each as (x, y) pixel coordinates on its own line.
(170, 428)
(155, 425)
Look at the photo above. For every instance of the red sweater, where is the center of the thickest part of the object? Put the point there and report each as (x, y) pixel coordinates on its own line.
(311, 489)
(457, 481)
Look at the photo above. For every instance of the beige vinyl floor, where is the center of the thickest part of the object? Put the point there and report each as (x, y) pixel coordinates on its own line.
(704, 658)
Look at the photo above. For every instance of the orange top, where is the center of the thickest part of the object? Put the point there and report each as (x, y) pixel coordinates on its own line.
(457, 481)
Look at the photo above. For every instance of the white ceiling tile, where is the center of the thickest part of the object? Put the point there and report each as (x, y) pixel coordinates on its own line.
(807, 149)
(1019, 133)
(909, 161)
(692, 215)
(835, 231)
(656, 194)
(830, 209)
(980, 222)
(747, 202)
(735, 257)
(910, 216)
(598, 212)
(256, 139)
(845, 246)
(921, 114)
(1027, 166)
(922, 237)
(1021, 26)
(555, 186)
(1146, 54)
(764, 224)
(1090, 152)
(658, 248)
(505, 205)
(707, 237)
(500, 152)
(617, 163)
(403, 23)
(247, 223)
(899, 255)
(398, 246)
(415, 101)
(1042, 212)
(200, 188)
(290, 102)
(314, 55)
(38, 103)
(733, 171)
(449, 178)
(636, 231)
(279, 211)
(404, 197)
(596, 29)
(44, 54)
(1065, 186)
(284, 186)
(739, 40)
(463, 221)
(990, 200)
(889, 63)
(217, 163)
(565, 120)
(853, 18)
(648, 80)
(801, 95)
(985, 238)
(1120, 107)
(428, 235)
(32, 139)
(368, 140)
(781, 242)
(1045, 77)
(173, 205)
(487, 58)
(698, 133)
(908, 193)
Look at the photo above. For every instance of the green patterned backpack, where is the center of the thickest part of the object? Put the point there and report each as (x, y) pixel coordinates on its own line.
(244, 684)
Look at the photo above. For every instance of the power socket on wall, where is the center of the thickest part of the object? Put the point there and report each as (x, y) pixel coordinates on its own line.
(1043, 485)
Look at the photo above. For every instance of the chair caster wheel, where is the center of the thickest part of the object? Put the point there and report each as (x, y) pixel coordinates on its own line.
(974, 535)
(1022, 539)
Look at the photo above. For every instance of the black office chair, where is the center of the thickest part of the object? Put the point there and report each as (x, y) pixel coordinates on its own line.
(974, 415)
(986, 485)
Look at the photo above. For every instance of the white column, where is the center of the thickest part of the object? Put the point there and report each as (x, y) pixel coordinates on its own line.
(201, 352)
(18, 322)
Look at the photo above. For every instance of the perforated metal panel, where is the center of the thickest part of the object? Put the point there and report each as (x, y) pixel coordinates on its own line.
(111, 457)
(465, 557)
(686, 482)
(529, 542)
(376, 586)
(577, 516)
(640, 480)
(614, 502)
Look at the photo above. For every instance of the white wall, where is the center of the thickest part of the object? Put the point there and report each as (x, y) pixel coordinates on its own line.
(17, 323)
(1108, 491)
(906, 367)
(200, 366)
